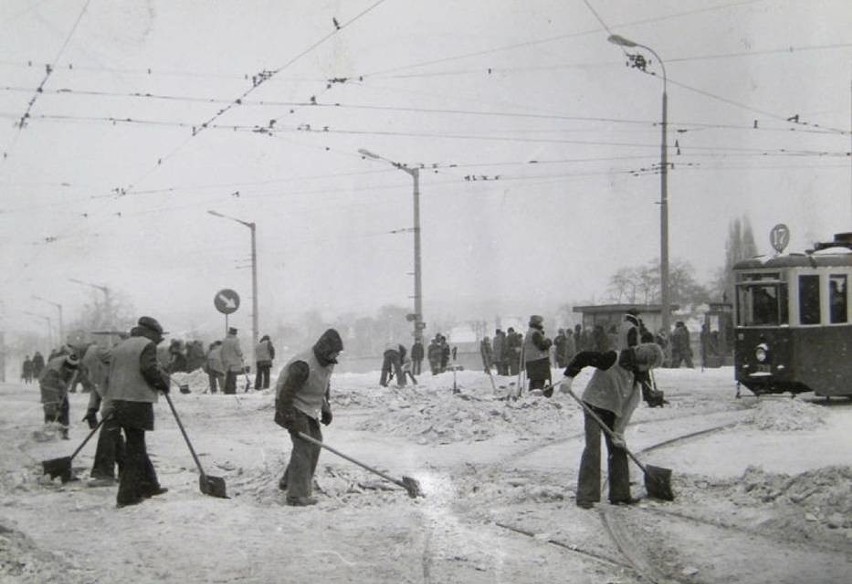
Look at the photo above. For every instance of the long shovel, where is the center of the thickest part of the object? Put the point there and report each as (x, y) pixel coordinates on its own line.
(657, 479)
(209, 485)
(409, 484)
(61, 467)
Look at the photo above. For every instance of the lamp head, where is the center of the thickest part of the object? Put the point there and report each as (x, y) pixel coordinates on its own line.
(621, 41)
(368, 154)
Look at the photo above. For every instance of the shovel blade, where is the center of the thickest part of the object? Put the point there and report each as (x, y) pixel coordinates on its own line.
(413, 487)
(58, 467)
(213, 486)
(658, 482)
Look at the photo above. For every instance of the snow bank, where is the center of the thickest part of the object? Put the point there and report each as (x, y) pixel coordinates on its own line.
(786, 415)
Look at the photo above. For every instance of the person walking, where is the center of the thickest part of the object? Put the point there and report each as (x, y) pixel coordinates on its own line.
(215, 368)
(135, 382)
(111, 448)
(392, 360)
(232, 360)
(27, 370)
(417, 354)
(56, 379)
(537, 355)
(38, 365)
(264, 353)
(301, 405)
(681, 349)
(435, 355)
(612, 394)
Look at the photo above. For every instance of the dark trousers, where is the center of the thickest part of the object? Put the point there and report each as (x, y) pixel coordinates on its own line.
(216, 379)
(110, 452)
(416, 365)
(392, 360)
(230, 382)
(303, 460)
(589, 481)
(261, 378)
(138, 477)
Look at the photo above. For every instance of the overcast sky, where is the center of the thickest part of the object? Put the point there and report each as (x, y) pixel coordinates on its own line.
(153, 113)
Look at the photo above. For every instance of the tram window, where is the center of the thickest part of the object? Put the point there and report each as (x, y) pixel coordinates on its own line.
(809, 312)
(838, 298)
(762, 305)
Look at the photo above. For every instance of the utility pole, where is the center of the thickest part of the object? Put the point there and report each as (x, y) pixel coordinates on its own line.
(62, 338)
(414, 173)
(254, 310)
(107, 303)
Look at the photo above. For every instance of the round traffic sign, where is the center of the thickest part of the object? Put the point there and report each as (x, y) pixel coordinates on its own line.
(226, 301)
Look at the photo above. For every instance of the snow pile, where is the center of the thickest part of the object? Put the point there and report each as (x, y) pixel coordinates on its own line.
(197, 381)
(809, 505)
(22, 560)
(427, 416)
(786, 415)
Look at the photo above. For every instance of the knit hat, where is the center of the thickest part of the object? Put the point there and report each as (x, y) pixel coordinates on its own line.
(649, 355)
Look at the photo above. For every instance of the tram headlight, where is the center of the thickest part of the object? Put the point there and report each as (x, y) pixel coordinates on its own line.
(761, 353)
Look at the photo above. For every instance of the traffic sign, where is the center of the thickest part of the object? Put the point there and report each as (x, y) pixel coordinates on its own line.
(226, 301)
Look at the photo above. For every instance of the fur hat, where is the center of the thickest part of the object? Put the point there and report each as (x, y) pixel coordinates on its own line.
(536, 320)
(72, 361)
(649, 355)
(151, 324)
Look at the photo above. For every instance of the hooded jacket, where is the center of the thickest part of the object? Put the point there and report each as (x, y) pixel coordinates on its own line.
(305, 380)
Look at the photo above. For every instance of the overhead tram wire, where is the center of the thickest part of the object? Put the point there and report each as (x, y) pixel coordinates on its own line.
(48, 71)
(263, 79)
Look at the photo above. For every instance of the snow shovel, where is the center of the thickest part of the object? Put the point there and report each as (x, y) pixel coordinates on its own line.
(209, 485)
(409, 484)
(61, 467)
(657, 479)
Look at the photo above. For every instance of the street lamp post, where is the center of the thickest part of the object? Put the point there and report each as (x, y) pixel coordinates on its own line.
(49, 326)
(254, 317)
(62, 338)
(107, 303)
(665, 293)
(414, 173)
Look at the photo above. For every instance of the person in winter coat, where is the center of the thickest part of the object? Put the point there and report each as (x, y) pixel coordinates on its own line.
(537, 355)
(135, 383)
(392, 360)
(559, 347)
(435, 355)
(214, 367)
(613, 394)
(27, 370)
(512, 351)
(177, 358)
(497, 351)
(486, 352)
(264, 353)
(417, 355)
(38, 365)
(570, 346)
(232, 359)
(681, 349)
(301, 405)
(55, 381)
(111, 448)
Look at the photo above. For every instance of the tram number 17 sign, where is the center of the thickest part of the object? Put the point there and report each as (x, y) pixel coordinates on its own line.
(226, 301)
(779, 237)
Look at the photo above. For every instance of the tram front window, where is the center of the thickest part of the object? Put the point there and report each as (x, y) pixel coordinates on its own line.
(837, 298)
(760, 305)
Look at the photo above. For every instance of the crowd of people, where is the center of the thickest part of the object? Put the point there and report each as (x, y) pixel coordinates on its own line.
(127, 378)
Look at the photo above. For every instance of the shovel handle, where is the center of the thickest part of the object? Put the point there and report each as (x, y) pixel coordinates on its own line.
(312, 440)
(185, 437)
(604, 427)
(91, 433)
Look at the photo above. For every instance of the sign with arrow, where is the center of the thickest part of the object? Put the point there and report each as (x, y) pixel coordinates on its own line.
(226, 301)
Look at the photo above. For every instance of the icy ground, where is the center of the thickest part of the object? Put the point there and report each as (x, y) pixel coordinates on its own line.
(763, 491)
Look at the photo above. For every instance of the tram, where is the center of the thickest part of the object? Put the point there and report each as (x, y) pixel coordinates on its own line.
(793, 321)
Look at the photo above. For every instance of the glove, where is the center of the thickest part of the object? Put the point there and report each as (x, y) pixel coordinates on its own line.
(246, 369)
(618, 440)
(92, 418)
(565, 385)
(326, 417)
